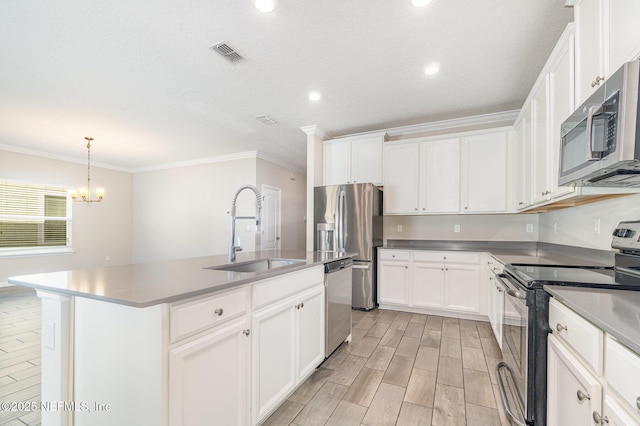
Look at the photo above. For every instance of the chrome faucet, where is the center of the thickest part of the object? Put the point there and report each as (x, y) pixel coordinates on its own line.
(233, 248)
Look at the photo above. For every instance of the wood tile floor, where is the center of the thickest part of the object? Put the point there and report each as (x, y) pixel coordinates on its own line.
(403, 369)
(20, 312)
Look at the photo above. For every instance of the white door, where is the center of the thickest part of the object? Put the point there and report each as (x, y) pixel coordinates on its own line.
(462, 286)
(573, 393)
(590, 40)
(401, 172)
(310, 331)
(366, 160)
(541, 189)
(273, 357)
(337, 162)
(427, 285)
(270, 217)
(392, 288)
(440, 176)
(208, 378)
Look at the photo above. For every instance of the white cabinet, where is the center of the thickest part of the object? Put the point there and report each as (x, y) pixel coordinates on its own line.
(431, 282)
(580, 389)
(541, 150)
(440, 176)
(393, 270)
(355, 159)
(607, 35)
(573, 393)
(496, 299)
(288, 344)
(401, 178)
(524, 158)
(208, 377)
(484, 173)
(591, 66)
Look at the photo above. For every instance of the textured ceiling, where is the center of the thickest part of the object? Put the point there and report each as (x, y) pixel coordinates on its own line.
(139, 77)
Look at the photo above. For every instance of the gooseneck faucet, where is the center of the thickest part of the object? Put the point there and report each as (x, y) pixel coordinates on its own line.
(233, 248)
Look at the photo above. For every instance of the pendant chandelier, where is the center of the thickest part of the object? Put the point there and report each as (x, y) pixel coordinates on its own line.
(85, 193)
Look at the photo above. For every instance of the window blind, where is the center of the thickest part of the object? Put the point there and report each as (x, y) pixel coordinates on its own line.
(33, 216)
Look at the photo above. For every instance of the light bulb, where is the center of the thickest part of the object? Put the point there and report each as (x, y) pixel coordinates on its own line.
(432, 69)
(420, 3)
(315, 96)
(265, 6)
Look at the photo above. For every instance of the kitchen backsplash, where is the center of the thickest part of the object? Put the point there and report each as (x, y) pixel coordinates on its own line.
(504, 227)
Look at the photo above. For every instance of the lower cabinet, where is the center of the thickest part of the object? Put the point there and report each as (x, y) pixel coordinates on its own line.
(431, 281)
(573, 393)
(496, 307)
(209, 377)
(581, 392)
(288, 344)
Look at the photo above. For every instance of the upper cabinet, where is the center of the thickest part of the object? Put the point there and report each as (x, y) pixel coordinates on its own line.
(356, 159)
(607, 35)
(466, 174)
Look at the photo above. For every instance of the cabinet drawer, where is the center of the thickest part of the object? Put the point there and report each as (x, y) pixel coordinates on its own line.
(446, 256)
(622, 370)
(583, 337)
(273, 289)
(394, 255)
(194, 316)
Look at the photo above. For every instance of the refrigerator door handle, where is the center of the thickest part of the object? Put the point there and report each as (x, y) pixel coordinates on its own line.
(341, 219)
(361, 265)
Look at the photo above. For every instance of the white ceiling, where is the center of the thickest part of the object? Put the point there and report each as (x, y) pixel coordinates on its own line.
(138, 76)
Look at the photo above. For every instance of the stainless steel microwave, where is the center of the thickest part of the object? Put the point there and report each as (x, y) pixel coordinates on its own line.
(600, 143)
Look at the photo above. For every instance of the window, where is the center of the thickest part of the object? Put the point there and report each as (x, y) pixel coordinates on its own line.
(34, 219)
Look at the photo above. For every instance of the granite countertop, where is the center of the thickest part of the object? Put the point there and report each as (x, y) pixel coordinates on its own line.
(146, 284)
(615, 311)
(515, 252)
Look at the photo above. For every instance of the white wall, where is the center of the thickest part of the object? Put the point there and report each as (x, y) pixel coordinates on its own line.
(182, 212)
(575, 226)
(507, 227)
(293, 187)
(98, 229)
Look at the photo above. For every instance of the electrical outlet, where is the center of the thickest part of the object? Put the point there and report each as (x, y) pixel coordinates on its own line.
(529, 227)
(107, 258)
(596, 226)
(399, 228)
(456, 228)
(555, 228)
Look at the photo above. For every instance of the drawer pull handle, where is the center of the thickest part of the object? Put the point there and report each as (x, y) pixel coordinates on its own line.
(561, 327)
(302, 305)
(218, 312)
(246, 332)
(598, 419)
(582, 396)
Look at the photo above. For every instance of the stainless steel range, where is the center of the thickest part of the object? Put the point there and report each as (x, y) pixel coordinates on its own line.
(522, 374)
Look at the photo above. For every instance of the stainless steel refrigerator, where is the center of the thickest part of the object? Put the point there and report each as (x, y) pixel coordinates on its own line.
(348, 218)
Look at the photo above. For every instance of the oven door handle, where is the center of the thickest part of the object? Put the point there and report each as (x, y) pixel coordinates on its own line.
(503, 393)
(509, 290)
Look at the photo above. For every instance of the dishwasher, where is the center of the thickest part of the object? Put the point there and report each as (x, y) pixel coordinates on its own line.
(338, 278)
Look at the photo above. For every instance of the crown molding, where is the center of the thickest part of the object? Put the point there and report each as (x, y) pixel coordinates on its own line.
(52, 156)
(198, 161)
(314, 129)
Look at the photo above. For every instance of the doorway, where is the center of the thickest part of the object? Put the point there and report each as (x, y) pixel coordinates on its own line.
(271, 217)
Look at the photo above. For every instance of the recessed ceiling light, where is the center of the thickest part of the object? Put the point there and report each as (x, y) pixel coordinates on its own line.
(432, 69)
(265, 6)
(315, 96)
(420, 3)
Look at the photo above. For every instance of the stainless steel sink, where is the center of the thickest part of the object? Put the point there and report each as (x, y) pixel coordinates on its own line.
(259, 265)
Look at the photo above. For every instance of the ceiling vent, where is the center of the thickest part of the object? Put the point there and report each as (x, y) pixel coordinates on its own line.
(227, 52)
(267, 121)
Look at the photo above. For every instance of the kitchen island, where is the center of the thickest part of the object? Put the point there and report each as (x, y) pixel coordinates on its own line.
(176, 342)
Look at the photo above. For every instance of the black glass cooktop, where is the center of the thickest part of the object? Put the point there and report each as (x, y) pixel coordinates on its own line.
(538, 276)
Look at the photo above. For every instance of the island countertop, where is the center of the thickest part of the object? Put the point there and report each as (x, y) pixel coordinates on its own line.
(147, 284)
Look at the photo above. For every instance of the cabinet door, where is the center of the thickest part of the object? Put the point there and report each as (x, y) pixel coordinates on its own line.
(561, 104)
(392, 283)
(310, 331)
(273, 357)
(569, 384)
(615, 414)
(440, 176)
(427, 285)
(462, 287)
(496, 307)
(208, 378)
(484, 168)
(590, 45)
(624, 32)
(366, 160)
(540, 143)
(524, 159)
(337, 162)
(401, 165)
